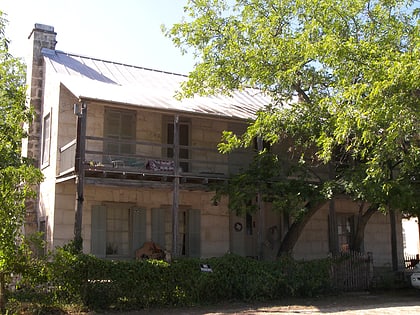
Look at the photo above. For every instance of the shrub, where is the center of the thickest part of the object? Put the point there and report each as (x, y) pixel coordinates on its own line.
(99, 284)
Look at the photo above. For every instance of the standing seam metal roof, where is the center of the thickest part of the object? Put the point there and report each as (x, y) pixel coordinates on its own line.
(103, 80)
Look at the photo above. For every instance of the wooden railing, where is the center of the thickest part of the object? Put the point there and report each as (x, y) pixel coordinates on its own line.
(67, 158)
(146, 155)
(410, 261)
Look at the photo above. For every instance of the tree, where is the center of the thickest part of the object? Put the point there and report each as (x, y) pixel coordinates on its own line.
(354, 67)
(17, 174)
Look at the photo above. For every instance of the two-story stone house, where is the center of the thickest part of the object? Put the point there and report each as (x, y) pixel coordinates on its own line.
(125, 162)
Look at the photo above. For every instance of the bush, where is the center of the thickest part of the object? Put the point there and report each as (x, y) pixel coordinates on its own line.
(100, 284)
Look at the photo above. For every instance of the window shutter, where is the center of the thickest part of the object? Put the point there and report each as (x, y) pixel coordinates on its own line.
(194, 233)
(354, 226)
(139, 227)
(332, 239)
(98, 231)
(119, 125)
(158, 227)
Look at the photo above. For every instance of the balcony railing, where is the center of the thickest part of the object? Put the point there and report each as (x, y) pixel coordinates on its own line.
(153, 158)
(67, 158)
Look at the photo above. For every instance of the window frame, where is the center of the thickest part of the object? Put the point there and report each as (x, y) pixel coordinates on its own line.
(136, 227)
(168, 127)
(345, 247)
(189, 230)
(46, 139)
(118, 138)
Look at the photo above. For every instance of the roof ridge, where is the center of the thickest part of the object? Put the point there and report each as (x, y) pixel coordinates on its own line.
(117, 63)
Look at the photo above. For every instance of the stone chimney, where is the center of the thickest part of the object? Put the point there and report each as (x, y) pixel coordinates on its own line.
(42, 36)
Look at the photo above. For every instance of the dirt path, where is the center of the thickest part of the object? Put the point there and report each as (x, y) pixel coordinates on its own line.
(405, 302)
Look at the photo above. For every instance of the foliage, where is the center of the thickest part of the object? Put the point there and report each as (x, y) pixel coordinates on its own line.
(354, 67)
(17, 175)
(68, 278)
(278, 181)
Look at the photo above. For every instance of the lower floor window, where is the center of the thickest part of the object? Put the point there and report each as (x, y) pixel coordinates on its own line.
(345, 231)
(189, 227)
(117, 230)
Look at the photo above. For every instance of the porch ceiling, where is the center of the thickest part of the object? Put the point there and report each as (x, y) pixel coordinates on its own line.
(103, 80)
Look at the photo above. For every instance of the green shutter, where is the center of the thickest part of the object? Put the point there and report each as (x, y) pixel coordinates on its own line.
(139, 227)
(98, 231)
(194, 233)
(119, 125)
(158, 227)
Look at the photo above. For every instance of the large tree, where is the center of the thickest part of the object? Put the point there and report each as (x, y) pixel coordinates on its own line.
(354, 67)
(17, 174)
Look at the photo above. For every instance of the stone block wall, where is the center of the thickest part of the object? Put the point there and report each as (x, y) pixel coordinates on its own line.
(42, 36)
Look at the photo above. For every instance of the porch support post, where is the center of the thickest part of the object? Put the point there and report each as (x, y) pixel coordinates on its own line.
(394, 251)
(261, 212)
(333, 232)
(80, 172)
(175, 202)
(392, 221)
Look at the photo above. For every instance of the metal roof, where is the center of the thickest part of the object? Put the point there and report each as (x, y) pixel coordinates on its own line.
(103, 80)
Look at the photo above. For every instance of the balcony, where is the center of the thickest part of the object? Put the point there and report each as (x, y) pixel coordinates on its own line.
(148, 163)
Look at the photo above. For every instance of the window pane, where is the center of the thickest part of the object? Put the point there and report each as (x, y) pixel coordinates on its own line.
(46, 139)
(344, 231)
(117, 231)
(183, 141)
(112, 123)
(127, 126)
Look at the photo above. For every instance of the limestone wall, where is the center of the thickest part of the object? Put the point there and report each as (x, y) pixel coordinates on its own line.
(214, 219)
(313, 243)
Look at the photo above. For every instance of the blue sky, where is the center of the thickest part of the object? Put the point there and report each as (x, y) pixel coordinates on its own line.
(126, 31)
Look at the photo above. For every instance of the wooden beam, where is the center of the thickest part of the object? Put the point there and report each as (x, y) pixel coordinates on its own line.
(80, 174)
(175, 202)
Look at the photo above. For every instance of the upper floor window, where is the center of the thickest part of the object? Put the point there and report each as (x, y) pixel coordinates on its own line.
(119, 131)
(46, 139)
(184, 142)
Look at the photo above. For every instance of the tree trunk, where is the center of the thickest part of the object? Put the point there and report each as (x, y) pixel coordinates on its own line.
(296, 229)
(2, 293)
(359, 234)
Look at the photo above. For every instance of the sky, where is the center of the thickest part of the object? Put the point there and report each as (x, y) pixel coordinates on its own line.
(125, 31)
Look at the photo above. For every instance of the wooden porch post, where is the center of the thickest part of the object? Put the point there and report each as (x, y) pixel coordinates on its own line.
(333, 233)
(261, 212)
(394, 251)
(175, 196)
(392, 221)
(80, 172)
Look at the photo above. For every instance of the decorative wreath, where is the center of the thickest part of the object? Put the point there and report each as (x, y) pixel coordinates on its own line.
(238, 226)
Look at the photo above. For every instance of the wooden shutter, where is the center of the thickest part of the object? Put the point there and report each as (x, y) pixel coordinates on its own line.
(98, 231)
(128, 132)
(238, 159)
(111, 130)
(139, 228)
(119, 125)
(194, 233)
(158, 227)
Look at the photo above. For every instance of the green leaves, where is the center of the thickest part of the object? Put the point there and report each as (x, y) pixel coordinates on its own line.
(17, 175)
(354, 65)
